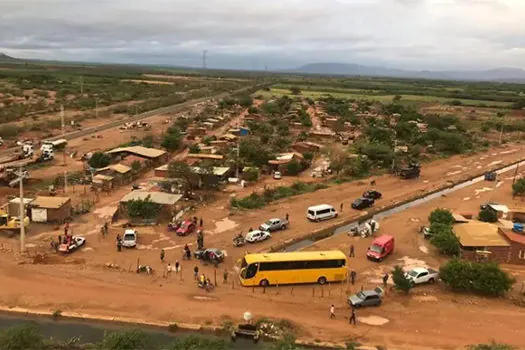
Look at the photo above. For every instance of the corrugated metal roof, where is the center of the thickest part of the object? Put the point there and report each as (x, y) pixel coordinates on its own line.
(102, 177)
(17, 200)
(499, 207)
(218, 171)
(162, 167)
(140, 151)
(204, 156)
(50, 202)
(155, 197)
(479, 234)
(513, 236)
(119, 168)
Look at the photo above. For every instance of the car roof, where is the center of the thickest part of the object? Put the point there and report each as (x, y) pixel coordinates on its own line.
(369, 292)
(320, 207)
(419, 269)
(273, 219)
(382, 239)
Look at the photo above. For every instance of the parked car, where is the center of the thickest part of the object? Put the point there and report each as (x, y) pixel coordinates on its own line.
(257, 236)
(373, 194)
(277, 175)
(420, 275)
(362, 203)
(485, 206)
(274, 225)
(321, 212)
(491, 176)
(381, 247)
(427, 234)
(129, 240)
(366, 298)
(75, 243)
(186, 228)
(213, 255)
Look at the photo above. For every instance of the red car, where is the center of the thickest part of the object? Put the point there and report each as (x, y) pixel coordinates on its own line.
(186, 228)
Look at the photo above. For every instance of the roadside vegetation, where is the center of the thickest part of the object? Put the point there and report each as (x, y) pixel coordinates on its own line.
(443, 237)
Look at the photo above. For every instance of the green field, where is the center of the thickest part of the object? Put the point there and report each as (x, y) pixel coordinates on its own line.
(375, 96)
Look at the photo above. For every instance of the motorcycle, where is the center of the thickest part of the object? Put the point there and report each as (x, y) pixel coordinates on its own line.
(172, 227)
(239, 241)
(207, 285)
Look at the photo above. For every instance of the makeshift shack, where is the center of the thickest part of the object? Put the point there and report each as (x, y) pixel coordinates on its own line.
(13, 207)
(50, 209)
(166, 201)
(151, 155)
(102, 182)
(481, 241)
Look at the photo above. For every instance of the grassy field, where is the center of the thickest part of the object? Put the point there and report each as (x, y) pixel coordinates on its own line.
(375, 96)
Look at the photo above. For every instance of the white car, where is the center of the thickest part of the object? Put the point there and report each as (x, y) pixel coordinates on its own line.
(420, 275)
(257, 236)
(76, 242)
(277, 175)
(130, 238)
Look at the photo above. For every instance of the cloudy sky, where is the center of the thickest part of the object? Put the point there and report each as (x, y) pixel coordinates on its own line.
(249, 34)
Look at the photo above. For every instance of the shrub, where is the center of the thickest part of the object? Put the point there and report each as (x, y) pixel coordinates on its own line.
(293, 168)
(445, 241)
(126, 340)
(250, 175)
(400, 281)
(295, 90)
(253, 110)
(25, 337)
(487, 215)
(142, 208)
(99, 160)
(172, 140)
(194, 148)
(518, 188)
(492, 346)
(441, 216)
(479, 278)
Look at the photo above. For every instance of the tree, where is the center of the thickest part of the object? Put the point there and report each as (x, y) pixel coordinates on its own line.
(479, 278)
(295, 90)
(293, 168)
(400, 281)
(183, 172)
(172, 141)
(250, 174)
(396, 98)
(24, 337)
(135, 166)
(518, 188)
(246, 101)
(444, 240)
(441, 216)
(253, 110)
(194, 148)
(142, 208)
(126, 340)
(99, 160)
(487, 215)
(254, 152)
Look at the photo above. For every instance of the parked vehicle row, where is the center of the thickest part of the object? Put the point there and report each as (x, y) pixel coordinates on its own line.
(367, 200)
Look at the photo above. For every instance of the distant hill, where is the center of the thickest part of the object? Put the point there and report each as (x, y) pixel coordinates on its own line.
(6, 58)
(498, 74)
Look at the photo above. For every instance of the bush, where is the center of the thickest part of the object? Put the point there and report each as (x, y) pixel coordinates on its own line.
(142, 208)
(245, 101)
(250, 175)
(172, 140)
(295, 90)
(445, 241)
(518, 188)
(400, 281)
(441, 216)
(9, 131)
(194, 148)
(99, 160)
(479, 278)
(126, 340)
(293, 168)
(253, 110)
(492, 346)
(487, 215)
(25, 337)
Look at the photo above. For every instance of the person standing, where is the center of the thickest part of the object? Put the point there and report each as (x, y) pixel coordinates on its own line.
(201, 222)
(162, 254)
(353, 275)
(341, 208)
(385, 280)
(287, 217)
(352, 251)
(353, 317)
(332, 311)
(195, 272)
(177, 266)
(225, 276)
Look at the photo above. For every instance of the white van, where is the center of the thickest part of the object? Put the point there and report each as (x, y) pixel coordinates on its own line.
(321, 212)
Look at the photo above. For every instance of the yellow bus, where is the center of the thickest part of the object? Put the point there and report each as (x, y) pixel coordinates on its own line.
(297, 267)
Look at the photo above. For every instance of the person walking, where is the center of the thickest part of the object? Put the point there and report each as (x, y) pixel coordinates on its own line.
(332, 311)
(287, 217)
(225, 276)
(341, 208)
(353, 275)
(201, 222)
(352, 251)
(385, 280)
(177, 266)
(353, 317)
(59, 239)
(162, 254)
(195, 272)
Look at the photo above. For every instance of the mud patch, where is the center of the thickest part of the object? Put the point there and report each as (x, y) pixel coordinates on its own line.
(423, 248)
(426, 298)
(481, 190)
(373, 320)
(454, 172)
(202, 298)
(495, 162)
(224, 225)
(410, 263)
(466, 198)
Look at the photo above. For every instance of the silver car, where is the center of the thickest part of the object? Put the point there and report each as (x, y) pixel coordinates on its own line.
(366, 298)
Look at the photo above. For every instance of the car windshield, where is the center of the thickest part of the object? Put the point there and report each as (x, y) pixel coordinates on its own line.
(412, 273)
(376, 249)
(310, 212)
(129, 237)
(269, 223)
(358, 201)
(361, 295)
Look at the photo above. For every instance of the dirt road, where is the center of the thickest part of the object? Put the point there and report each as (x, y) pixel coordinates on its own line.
(82, 283)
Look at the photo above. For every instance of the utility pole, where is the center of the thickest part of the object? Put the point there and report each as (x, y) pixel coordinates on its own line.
(22, 212)
(65, 181)
(62, 118)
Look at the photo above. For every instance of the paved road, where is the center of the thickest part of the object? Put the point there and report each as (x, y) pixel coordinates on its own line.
(143, 116)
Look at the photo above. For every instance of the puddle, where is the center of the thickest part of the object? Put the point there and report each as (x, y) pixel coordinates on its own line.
(423, 248)
(224, 225)
(373, 320)
(466, 198)
(425, 298)
(197, 297)
(481, 190)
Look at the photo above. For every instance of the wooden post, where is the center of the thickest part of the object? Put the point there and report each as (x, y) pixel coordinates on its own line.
(264, 289)
(313, 292)
(322, 292)
(215, 276)
(291, 291)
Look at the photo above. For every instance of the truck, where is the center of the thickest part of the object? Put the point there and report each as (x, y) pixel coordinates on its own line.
(72, 244)
(274, 225)
(413, 170)
(420, 275)
(54, 145)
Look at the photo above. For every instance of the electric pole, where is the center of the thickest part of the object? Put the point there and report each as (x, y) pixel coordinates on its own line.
(22, 212)
(65, 181)
(62, 118)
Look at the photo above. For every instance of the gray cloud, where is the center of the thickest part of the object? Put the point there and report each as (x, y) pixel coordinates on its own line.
(418, 34)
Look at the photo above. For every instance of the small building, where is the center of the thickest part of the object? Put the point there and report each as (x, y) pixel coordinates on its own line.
(201, 156)
(50, 209)
(244, 131)
(306, 146)
(152, 155)
(167, 201)
(121, 173)
(213, 177)
(517, 214)
(500, 210)
(13, 207)
(162, 171)
(281, 161)
(481, 241)
(228, 137)
(102, 182)
(517, 246)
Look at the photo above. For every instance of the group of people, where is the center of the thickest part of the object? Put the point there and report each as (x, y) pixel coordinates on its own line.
(352, 319)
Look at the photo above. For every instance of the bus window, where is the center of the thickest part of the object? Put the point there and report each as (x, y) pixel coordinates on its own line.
(251, 270)
(244, 263)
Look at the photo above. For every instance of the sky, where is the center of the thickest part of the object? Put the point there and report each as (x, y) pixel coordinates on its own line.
(277, 34)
